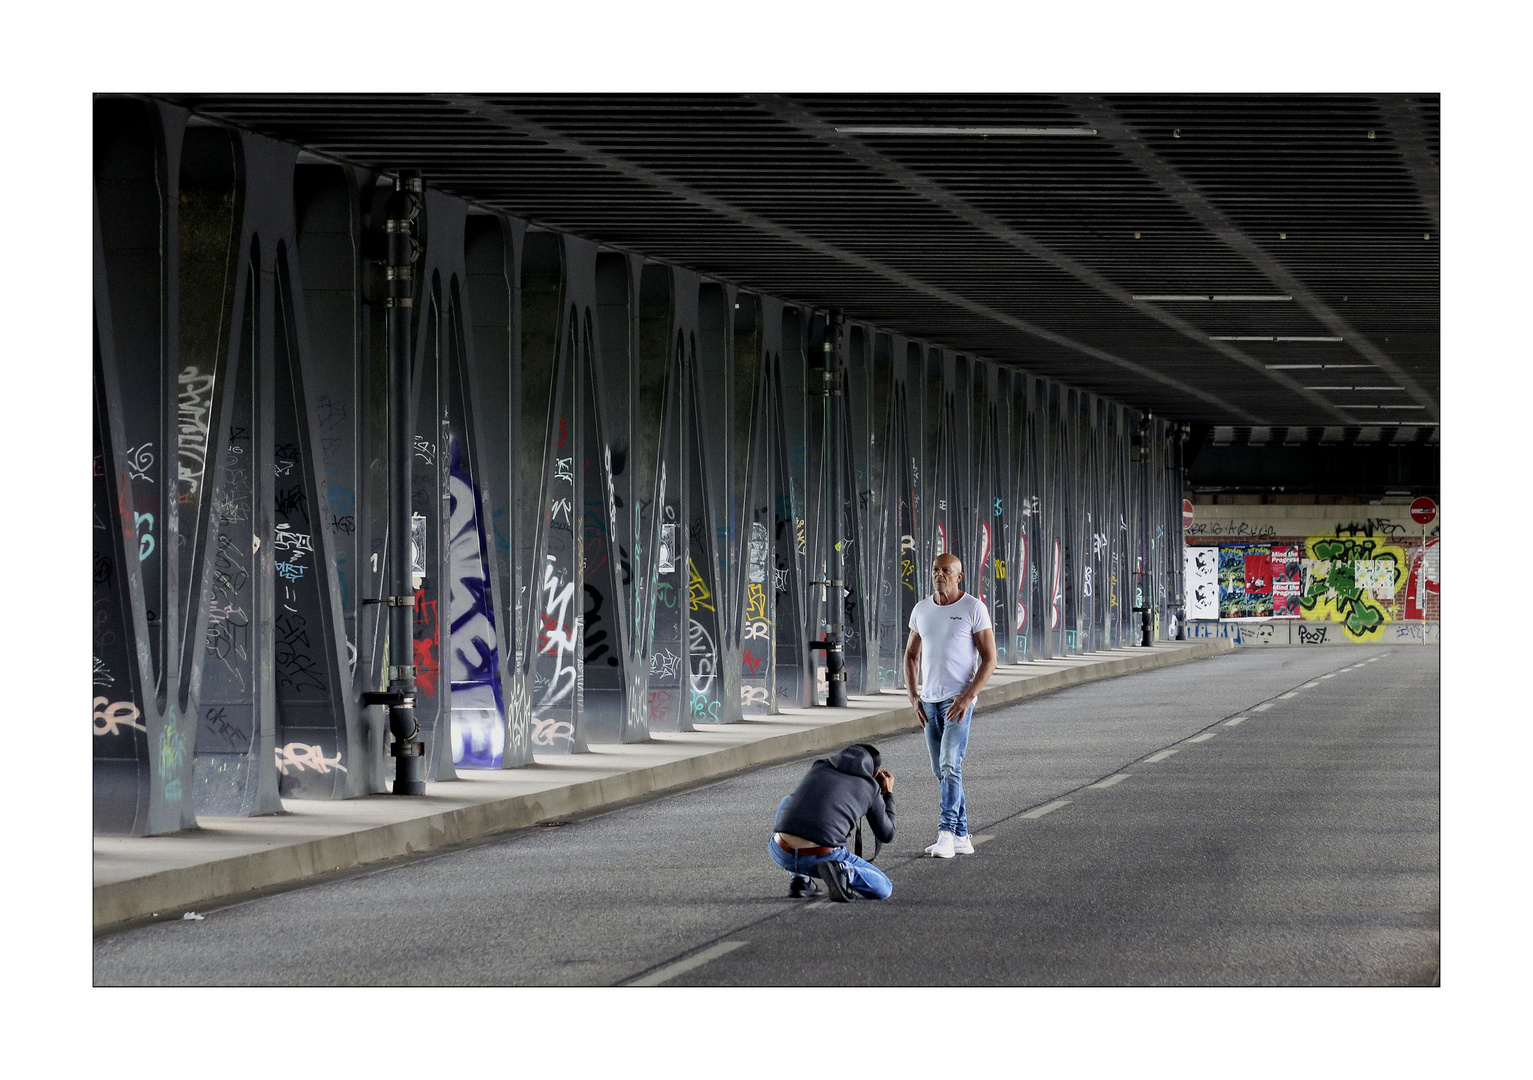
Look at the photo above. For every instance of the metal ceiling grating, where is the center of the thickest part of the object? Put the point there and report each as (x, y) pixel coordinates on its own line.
(1027, 250)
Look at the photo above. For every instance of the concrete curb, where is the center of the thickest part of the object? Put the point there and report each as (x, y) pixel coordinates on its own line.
(284, 863)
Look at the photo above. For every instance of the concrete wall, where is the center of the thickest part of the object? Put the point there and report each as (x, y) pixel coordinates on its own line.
(1365, 569)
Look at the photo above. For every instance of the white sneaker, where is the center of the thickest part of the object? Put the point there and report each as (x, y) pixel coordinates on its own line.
(963, 845)
(943, 848)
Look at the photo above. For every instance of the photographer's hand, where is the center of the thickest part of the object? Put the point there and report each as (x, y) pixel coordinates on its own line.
(885, 780)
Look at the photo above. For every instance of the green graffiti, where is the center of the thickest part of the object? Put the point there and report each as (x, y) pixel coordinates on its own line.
(1333, 591)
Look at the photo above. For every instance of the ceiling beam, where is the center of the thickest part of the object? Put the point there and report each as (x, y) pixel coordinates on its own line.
(1402, 118)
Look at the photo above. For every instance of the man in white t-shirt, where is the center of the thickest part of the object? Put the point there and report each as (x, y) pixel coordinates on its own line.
(953, 644)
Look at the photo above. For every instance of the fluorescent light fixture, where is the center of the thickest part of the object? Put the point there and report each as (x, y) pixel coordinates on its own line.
(1402, 406)
(1327, 367)
(1351, 388)
(1203, 297)
(921, 129)
(1346, 405)
(1250, 337)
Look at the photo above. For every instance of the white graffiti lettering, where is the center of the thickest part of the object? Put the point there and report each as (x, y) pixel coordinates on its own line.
(193, 408)
(303, 756)
(109, 716)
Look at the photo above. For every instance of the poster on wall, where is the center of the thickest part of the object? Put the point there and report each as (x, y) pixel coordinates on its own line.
(1287, 576)
(1200, 574)
(1245, 582)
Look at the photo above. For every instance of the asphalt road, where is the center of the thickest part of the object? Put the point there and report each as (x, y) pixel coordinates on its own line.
(1266, 817)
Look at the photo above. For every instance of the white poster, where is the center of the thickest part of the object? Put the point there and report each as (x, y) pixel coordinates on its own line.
(1200, 577)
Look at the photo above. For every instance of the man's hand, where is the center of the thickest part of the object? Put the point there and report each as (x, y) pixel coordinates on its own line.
(961, 705)
(915, 703)
(885, 780)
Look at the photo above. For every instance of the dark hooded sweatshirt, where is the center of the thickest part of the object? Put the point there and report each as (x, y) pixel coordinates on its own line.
(833, 794)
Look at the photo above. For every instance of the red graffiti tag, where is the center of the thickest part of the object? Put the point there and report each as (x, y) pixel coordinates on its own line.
(426, 641)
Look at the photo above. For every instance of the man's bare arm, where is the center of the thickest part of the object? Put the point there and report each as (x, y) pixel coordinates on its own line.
(912, 672)
(984, 643)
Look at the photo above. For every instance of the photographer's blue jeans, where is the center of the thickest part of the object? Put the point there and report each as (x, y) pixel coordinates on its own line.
(946, 741)
(867, 879)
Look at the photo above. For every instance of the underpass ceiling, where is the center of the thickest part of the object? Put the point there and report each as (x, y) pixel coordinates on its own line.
(1247, 261)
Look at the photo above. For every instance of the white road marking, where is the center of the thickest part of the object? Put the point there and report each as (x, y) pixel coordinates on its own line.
(1049, 808)
(1235, 720)
(1111, 780)
(1285, 697)
(1330, 675)
(670, 971)
(1263, 707)
(1309, 684)
(979, 838)
(1203, 737)
(1161, 756)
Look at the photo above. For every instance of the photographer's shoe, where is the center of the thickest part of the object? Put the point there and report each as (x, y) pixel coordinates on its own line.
(943, 848)
(837, 882)
(962, 845)
(802, 886)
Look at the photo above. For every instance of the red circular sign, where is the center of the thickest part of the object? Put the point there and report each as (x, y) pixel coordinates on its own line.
(1423, 510)
(1186, 514)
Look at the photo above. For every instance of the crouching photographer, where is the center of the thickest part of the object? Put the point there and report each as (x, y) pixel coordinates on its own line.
(813, 823)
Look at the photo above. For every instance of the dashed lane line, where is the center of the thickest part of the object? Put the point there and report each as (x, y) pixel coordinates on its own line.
(979, 838)
(1047, 808)
(1160, 756)
(1329, 675)
(1263, 707)
(1203, 737)
(1116, 778)
(670, 971)
(1307, 685)
(1285, 697)
(1232, 721)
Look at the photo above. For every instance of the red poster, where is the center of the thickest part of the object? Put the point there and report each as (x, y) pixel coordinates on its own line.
(1285, 581)
(1259, 574)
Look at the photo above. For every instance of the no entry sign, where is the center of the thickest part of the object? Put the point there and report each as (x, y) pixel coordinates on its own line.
(1186, 514)
(1423, 511)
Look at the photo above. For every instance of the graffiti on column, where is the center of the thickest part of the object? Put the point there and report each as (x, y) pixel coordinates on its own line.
(193, 408)
(1021, 580)
(478, 713)
(984, 557)
(557, 636)
(1055, 595)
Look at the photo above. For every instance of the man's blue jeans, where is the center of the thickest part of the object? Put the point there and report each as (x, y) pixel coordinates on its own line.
(946, 741)
(867, 879)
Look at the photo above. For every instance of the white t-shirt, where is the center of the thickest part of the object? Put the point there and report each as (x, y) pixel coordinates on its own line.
(948, 656)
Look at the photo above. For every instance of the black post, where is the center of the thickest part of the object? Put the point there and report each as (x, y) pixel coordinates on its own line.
(407, 749)
(1180, 434)
(834, 587)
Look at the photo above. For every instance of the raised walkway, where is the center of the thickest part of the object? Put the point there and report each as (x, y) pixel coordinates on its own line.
(139, 878)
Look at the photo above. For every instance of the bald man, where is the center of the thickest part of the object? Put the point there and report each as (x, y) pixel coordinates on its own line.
(952, 644)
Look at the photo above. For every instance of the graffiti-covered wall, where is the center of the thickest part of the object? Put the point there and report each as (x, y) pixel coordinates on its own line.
(1360, 569)
(623, 487)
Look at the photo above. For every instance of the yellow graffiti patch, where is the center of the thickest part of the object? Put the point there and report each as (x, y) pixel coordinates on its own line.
(1352, 580)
